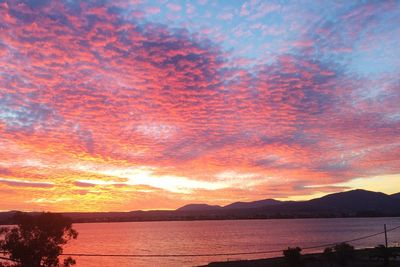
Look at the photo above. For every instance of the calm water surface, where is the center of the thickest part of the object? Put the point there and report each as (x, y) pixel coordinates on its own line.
(204, 237)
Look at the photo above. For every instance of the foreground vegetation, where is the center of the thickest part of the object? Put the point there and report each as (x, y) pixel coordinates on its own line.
(341, 255)
(36, 241)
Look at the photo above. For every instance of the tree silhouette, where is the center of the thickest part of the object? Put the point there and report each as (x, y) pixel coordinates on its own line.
(385, 253)
(293, 256)
(343, 253)
(37, 240)
(329, 255)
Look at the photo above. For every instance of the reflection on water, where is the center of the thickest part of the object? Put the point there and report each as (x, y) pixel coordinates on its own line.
(204, 237)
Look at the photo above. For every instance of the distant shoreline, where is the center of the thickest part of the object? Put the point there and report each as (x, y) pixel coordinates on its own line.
(242, 219)
(127, 220)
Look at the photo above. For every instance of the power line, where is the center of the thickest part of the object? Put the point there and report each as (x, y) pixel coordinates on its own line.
(219, 254)
(353, 240)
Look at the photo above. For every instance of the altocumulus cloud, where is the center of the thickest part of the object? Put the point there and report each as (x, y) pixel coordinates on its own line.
(99, 83)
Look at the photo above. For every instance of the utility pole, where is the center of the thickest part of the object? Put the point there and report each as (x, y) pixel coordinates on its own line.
(386, 242)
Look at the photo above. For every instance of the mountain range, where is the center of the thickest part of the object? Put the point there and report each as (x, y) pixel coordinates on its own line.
(355, 203)
(350, 201)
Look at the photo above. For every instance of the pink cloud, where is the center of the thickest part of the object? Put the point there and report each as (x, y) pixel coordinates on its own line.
(174, 7)
(153, 10)
(225, 16)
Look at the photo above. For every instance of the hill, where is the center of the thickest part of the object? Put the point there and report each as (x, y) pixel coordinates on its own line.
(253, 204)
(355, 203)
(397, 195)
(197, 207)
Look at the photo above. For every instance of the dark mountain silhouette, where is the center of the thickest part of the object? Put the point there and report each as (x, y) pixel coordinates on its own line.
(396, 195)
(197, 207)
(350, 201)
(233, 206)
(253, 204)
(355, 203)
(355, 200)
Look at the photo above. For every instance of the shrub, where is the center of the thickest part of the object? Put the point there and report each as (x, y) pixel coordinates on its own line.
(341, 253)
(37, 240)
(293, 256)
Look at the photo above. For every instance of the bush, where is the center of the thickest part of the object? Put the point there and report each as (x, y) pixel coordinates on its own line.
(37, 240)
(344, 253)
(328, 254)
(385, 253)
(341, 253)
(293, 256)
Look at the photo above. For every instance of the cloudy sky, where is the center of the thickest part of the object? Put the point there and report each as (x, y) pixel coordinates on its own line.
(125, 105)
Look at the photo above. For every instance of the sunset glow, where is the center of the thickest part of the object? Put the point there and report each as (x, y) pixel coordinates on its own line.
(126, 105)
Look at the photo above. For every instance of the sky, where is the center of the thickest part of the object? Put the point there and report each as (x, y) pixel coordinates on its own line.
(126, 105)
